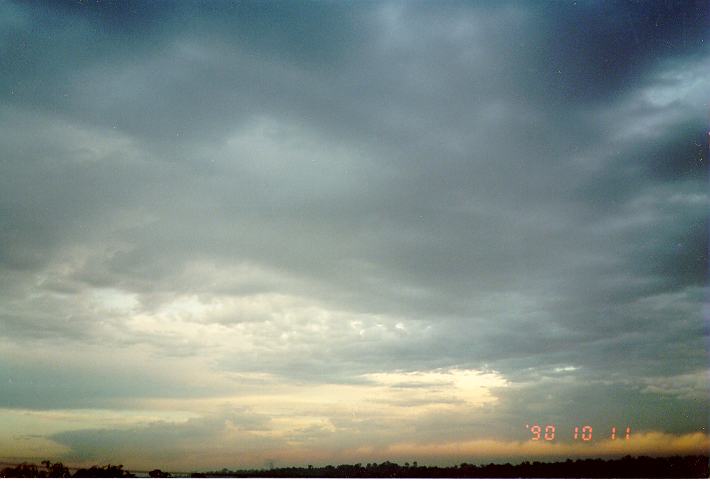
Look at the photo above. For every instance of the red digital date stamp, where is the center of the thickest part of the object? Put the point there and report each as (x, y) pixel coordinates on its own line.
(583, 433)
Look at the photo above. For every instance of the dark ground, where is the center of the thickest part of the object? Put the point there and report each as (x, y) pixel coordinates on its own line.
(627, 467)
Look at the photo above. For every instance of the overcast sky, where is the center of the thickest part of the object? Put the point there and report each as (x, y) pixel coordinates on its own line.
(235, 233)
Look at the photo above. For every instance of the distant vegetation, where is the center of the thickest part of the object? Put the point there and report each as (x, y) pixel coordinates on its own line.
(58, 470)
(627, 467)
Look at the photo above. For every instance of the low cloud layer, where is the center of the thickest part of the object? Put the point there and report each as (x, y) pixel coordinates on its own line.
(483, 215)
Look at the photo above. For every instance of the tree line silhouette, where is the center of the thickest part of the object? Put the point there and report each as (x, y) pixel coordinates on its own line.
(58, 470)
(626, 467)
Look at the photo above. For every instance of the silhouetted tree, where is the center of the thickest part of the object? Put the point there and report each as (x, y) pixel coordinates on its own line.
(56, 470)
(23, 470)
(108, 471)
(158, 474)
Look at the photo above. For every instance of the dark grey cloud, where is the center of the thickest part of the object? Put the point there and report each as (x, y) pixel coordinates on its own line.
(240, 425)
(324, 191)
(599, 51)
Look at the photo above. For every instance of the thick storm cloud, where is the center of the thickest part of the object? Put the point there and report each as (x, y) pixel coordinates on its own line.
(367, 227)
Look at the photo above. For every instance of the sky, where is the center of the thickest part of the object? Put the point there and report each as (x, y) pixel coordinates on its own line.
(235, 234)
